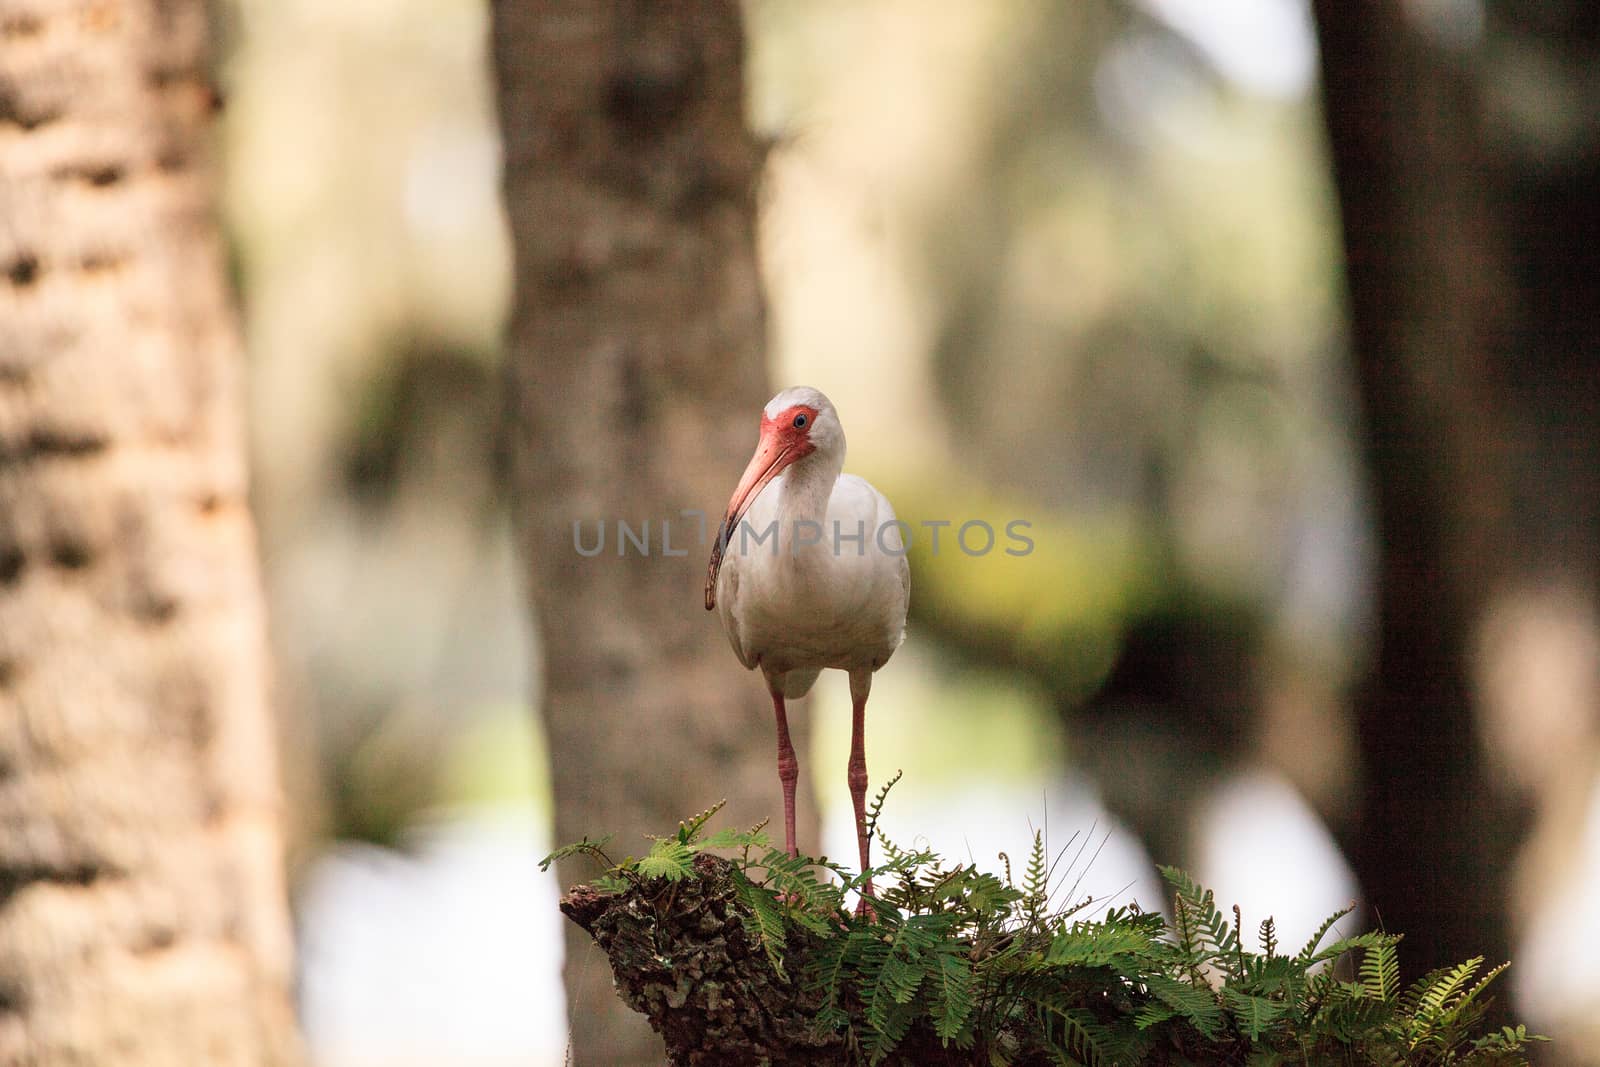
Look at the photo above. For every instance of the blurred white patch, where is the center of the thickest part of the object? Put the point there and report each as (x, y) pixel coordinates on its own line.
(452, 179)
(1556, 978)
(1091, 853)
(1264, 46)
(1262, 848)
(447, 955)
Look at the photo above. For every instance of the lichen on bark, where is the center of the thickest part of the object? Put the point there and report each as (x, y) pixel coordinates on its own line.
(681, 957)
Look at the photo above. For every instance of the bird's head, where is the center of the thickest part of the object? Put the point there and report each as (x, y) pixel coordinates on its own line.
(796, 424)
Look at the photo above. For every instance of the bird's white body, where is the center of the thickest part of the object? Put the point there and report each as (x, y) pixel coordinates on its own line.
(809, 572)
(793, 608)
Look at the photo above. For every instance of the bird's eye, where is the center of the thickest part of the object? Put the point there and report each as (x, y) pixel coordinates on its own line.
(799, 422)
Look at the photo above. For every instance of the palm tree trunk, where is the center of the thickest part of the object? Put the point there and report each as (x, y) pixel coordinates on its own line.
(142, 910)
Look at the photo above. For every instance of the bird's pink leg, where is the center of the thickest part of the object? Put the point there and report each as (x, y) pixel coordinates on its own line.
(788, 770)
(858, 774)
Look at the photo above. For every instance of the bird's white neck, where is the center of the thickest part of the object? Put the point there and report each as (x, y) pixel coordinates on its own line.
(806, 489)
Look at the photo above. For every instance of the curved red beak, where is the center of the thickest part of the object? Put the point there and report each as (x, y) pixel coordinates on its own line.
(774, 452)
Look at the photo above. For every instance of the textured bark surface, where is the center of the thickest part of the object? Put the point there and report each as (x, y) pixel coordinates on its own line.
(680, 957)
(142, 908)
(635, 382)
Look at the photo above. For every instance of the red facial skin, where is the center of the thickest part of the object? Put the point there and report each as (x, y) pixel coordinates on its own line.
(781, 444)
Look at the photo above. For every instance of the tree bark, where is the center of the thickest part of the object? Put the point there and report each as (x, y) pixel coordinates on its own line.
(682, 959)
(142, 905)
(1431, 308)
(635, 376)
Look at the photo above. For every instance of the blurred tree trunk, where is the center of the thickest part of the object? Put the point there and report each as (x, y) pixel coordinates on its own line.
(142, 910)
(1474, 310)
(636, 377)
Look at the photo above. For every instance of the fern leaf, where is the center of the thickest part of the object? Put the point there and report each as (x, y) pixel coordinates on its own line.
(669, 858)
(1310, 950)
(1255, 1015)
(690, 828)
(1098, 945)
(1079, 1035)
(1380, 971)
(1195, 1003)
(1036, 882)
(1151, 1013)
(762, 919)
(1471, 995)
(891, 1027)
(884, 974)
(825, 970)
(1209, 934)
(585, 847)
(728, 837)
(611, 883)
(901, 977)
(1268, 935)
(1507, 1039)
(876, 807)
(1446, 985)
(1366, 942)
(953, 994)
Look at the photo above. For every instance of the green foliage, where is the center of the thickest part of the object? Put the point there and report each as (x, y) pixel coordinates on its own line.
(975, 962)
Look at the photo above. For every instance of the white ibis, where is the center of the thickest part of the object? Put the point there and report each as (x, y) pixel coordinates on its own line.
(828, 588)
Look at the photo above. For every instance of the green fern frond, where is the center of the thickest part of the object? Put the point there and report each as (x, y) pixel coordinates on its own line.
(762, 919)
(1471, 996)
(728, 837)
(953, 992)
(825, 970)
(1254, 1015)
(1086, 944)
(1365, 941)
(1267, 934)
(1273, 976)
(1310, 950)
(893, 853)
(1196, 1003)
(1380, 970)
(690, 828)
(1036, 883)
(899, 980)
(1445, 984)
(1079, 1035)
(668, 858)
(612, 883)
(1209, 935)
(890, 1021)
(586, 847)
(876, 808)
(1507, 1039)
(1350, 1017)
(1151, 1013)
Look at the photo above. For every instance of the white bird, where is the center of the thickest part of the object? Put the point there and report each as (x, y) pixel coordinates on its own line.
(810, 572)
